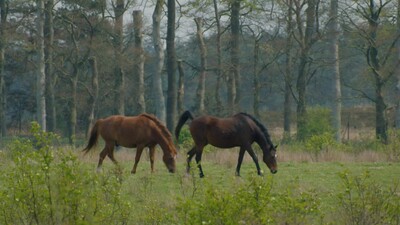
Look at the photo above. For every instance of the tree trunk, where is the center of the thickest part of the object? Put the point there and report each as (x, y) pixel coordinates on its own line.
(3, 41)
(140, 106)
(73, 105)
(219, 60)
(40, 73)
(334, 68)
(200, 94)
(306, 42)
(50, 76)
(256, 79)
(119, 10)
(374, 63)
(181, 86)
(233, 79)
(287, 105)
(398, 69)
(95, 93)
(158, 94)
(171, 66)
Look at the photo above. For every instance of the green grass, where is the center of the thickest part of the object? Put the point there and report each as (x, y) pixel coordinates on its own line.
(162, 189)
(300, 193)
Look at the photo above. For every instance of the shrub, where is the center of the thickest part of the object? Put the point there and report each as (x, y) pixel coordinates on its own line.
(364, 201)
(318, 121)
(253, 202)
(47, 186)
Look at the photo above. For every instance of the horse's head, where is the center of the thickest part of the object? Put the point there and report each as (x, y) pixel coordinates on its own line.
(270, 159)
(169, 161)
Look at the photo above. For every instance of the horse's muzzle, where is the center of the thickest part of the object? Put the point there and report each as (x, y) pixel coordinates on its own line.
(274, 171)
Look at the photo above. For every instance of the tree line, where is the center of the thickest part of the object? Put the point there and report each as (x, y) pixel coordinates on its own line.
(66, 63)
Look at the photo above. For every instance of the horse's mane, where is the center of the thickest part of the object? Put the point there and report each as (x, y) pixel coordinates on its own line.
(261, 126)
(160, 125)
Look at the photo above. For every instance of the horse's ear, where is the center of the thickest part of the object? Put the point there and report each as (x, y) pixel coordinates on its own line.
(276, 146)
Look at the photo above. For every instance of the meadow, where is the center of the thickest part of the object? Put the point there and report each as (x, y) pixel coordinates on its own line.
(43, 182)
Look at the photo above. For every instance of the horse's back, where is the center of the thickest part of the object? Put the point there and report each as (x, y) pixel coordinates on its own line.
(220, 132)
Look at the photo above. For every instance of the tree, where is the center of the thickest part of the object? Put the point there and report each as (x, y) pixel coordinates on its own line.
(378, 55)
(140, 106)
(333, 63)
(119, 10)
(219, 58)
(287, 104)
(158, 95)
(40, 63)
(234, 76)
(3, 41)
(50, 75)
(171, 66)
(203, 66)
(398, 68)
(94, 94)
(306, 38)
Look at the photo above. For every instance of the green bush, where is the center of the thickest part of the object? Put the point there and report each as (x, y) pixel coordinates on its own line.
(363, 201)
(318, 121)
(43, 185)
(253, 202)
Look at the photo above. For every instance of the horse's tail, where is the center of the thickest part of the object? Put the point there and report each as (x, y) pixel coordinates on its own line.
(94, 134)
(184, 117)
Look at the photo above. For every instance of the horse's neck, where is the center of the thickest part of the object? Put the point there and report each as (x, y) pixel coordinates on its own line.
(165, 145)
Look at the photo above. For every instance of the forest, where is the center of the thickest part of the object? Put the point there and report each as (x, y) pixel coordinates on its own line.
(66, 63)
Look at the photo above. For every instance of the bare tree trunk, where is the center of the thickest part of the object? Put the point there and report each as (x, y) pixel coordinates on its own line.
(50, 76)
(158, 48)
(256, 79)
(140, 106)
(171, 66)
(334, 68)
(233, 80)
(181, 86)
(398, 68)
(3, 41)
(94, 95)
(374, 63)
(306, 42)
(119, 10)
(287, 105)
(40, 63)
(73, 105)
(219, 59)
(203, 66)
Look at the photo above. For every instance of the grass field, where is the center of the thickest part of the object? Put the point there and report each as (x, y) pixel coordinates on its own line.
(323, 182)
(61, 187)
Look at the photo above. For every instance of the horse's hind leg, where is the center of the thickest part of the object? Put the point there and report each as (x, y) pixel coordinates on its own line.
(199, 153)
(103, 155)
(139, 151)
(190, 155)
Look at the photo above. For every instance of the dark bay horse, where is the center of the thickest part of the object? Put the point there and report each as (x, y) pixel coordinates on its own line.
(138, 132)
(240, 130)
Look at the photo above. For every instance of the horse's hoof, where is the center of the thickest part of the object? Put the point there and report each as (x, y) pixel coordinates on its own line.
(201, 175)
(133, 172)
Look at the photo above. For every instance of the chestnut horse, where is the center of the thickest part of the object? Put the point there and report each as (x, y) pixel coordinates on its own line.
(138, 132)
(240, 130)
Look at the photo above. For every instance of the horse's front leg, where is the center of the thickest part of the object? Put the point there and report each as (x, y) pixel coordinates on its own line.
(240, 160)
(139, 151)
(152, 150)
(255, 159)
